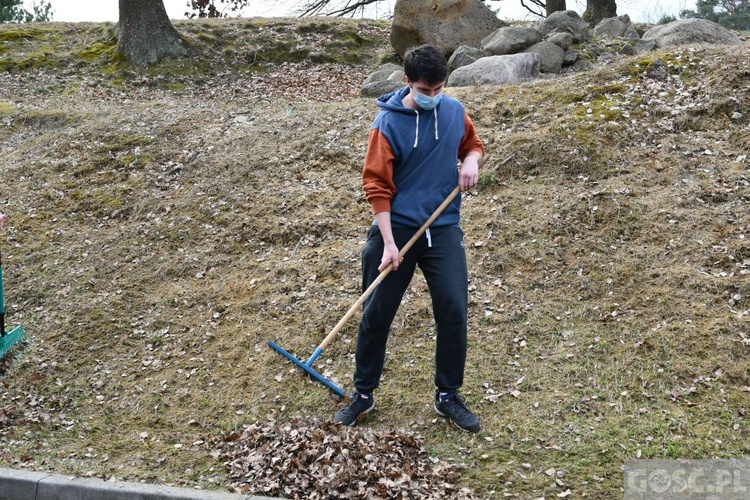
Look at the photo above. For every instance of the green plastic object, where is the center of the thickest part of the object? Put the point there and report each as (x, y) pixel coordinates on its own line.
(11, 339)
(8, 340)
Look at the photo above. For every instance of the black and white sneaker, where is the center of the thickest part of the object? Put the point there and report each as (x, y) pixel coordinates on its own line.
(452, 405)
(361, 405)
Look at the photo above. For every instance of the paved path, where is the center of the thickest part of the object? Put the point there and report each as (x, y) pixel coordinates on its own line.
(27, 485)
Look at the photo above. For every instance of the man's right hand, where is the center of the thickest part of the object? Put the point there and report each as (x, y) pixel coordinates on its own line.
(390, 256)
(390, 250)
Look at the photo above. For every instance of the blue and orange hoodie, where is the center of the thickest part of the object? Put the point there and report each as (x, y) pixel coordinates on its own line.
(411, 164)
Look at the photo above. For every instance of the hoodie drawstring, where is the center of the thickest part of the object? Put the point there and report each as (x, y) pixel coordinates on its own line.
(416, 132)
(436, 133)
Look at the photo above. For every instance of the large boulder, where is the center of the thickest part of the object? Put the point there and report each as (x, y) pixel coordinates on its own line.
(496, 70)
(616, 27)
(562, 40)
(691, 31)
(551, 56)
(379, 87)
(510, 40)
(565, 21)
(385, 79)
(446, 24)
(463, 56)
(382, 73)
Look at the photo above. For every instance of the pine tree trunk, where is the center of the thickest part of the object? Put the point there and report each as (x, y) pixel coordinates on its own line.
(146, 35)
(596, 10)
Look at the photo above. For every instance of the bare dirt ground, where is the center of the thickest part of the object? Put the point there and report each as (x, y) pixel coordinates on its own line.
(162, 225)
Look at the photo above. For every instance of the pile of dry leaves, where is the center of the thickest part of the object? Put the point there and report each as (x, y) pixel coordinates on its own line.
(308, 458)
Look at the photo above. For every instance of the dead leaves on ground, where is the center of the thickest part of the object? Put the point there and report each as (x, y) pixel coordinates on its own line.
(307, 458)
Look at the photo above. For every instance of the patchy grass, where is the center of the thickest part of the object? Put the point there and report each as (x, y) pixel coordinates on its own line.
(6, 108)
(163, 224)
(243, 44)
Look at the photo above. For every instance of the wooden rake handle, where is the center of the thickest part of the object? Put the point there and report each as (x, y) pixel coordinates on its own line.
(353, 309)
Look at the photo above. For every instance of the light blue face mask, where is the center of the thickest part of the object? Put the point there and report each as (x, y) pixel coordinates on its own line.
(426, 102)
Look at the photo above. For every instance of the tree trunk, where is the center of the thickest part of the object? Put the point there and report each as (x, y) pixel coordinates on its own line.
(555, 6)
(146, 35)
(596, 10)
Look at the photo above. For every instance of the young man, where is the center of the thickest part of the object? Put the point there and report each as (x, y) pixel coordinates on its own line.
(410, 168)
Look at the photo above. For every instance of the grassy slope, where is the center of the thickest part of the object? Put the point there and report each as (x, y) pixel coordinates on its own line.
(160, 231)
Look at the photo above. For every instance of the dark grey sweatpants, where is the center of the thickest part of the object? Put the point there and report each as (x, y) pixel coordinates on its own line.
(442, 259)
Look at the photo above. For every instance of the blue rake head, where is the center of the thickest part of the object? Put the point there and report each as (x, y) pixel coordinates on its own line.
(307, 367)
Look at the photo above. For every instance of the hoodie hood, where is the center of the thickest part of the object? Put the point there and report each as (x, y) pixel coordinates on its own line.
(394, 101)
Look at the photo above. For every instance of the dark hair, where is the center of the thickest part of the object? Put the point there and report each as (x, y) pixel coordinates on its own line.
(426, 63)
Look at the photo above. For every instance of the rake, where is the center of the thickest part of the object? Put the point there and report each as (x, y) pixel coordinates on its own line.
(307, 365)
(17, 336)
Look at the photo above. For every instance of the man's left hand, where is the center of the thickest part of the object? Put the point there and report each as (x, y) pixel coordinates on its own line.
(469, 174)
